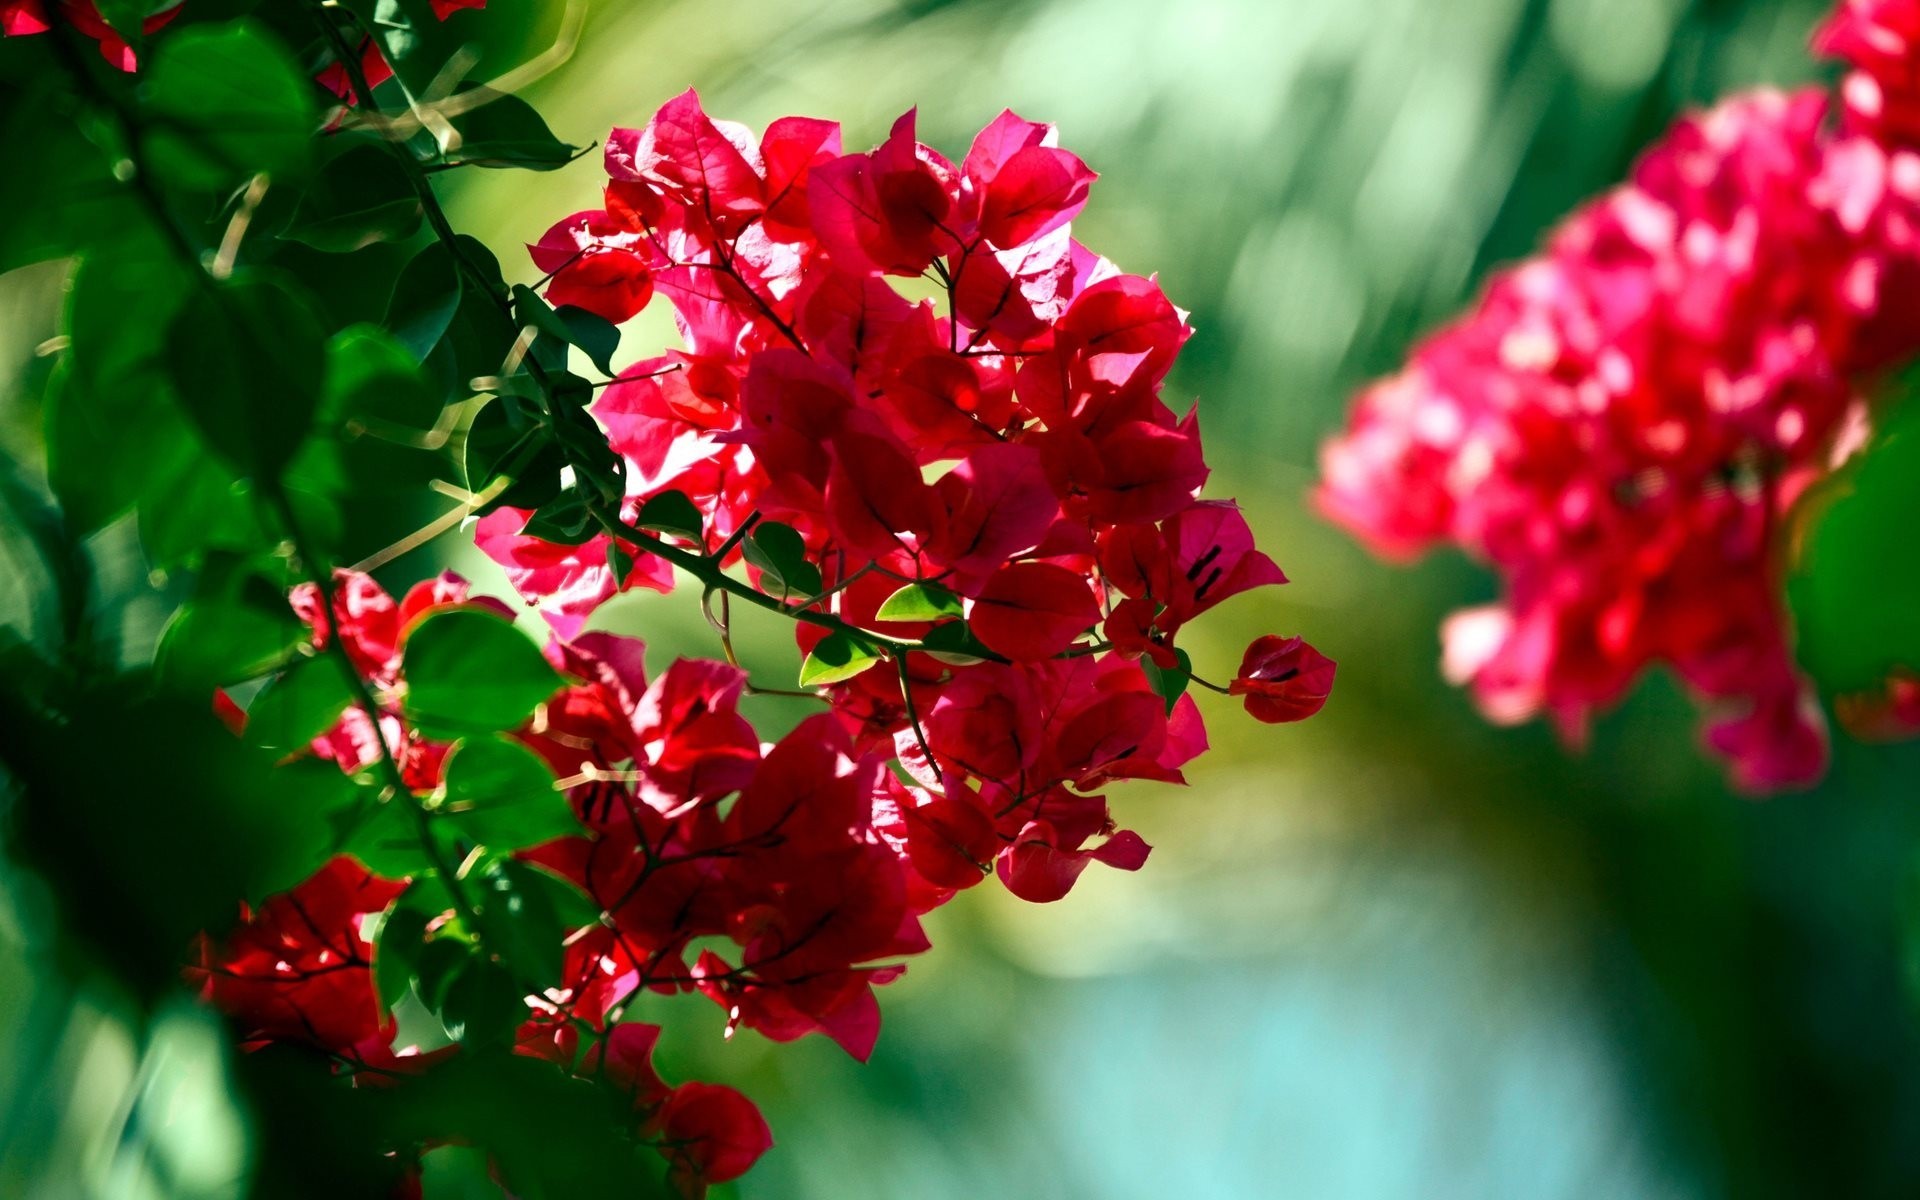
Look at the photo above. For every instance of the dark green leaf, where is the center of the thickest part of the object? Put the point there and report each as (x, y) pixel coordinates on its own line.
(504, 131)
(954, 644)
(526, 915)
(113, 428)
(619, 561)
(470, 671)
(597, 337)
(424, 300)
(237, 626)
(920, 602)
(300, 705)
(396, 953)
(505, 440)
(196, 507)
(1855, 591)
(386, 837)
(482, 1006)
(501, 795)
(1170, 682)
(362, 196)
(226, 101)
(246, 358)
(441, 960)
(564, 521)
(672, 512)
(838, 658)
(781, 556)
(373, 383)
(76, 201)
(596, 466)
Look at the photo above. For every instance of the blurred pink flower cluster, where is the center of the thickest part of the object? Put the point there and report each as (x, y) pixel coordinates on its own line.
(1620, 425)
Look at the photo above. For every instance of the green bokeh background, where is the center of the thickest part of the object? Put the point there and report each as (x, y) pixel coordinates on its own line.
(1393, 952)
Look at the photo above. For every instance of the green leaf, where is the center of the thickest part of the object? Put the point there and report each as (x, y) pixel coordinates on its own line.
(300, 705)
(373, 382)
(595, 464)
(246, 358)
(482, 1005)
(575, 908)
(397, 951)
(112, 425)
(564, 521)
(301, 801)
(619, 561)
(362, 196)
(780, 554)
(77, 201)
(1170, 682)
(225, 101)
(526, 914)
(838, 658)
(505, 131)
(596, 336)
(440, 961)
(505, 440)
(672, 512)
(1855, 591)
(470, 671)
(954, 644)
(920, 602)
(237, 626)
(196, 507)
(386, 837)
(501, 795)
(424, 300)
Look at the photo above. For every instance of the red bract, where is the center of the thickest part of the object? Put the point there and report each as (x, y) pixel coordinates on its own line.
(1283, 679)
(298, 969)
(1880, 39)
(1033, 610)
(1622, 424)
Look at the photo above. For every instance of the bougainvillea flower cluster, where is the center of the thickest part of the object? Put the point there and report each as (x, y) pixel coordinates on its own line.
(1621, 425)
(997, 452)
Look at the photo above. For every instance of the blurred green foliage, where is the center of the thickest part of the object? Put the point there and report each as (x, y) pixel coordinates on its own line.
(1393, 953)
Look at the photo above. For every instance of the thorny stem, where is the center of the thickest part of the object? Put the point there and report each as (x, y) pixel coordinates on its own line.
(708, 572)
(913, 716)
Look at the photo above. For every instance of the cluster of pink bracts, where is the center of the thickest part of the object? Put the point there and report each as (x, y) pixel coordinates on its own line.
(1621, 425)
(1005, 442)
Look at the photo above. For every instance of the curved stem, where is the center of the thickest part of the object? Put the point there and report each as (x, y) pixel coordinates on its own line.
(320, 575)
(707, 571)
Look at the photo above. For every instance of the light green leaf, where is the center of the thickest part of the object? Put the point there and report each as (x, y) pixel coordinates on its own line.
(470, 671)
(920, 602)
(501, 795)
(838, 658)
(300, 705)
